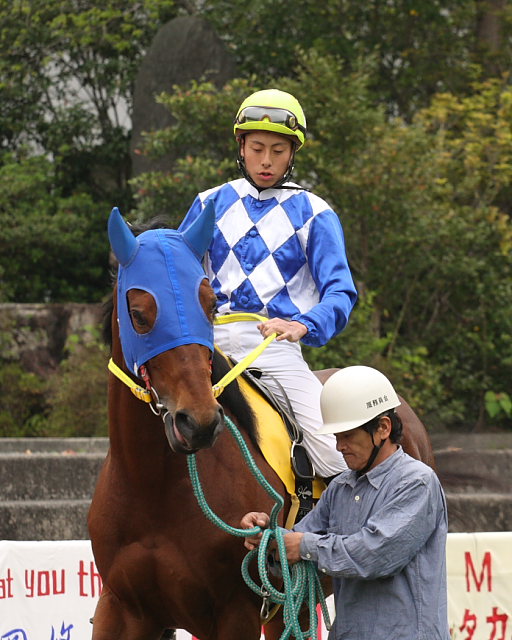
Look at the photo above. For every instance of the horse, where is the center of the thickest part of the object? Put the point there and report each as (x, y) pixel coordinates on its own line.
(164, 565)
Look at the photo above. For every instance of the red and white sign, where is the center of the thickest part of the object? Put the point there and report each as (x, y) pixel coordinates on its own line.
(49, 590)
(479, 567)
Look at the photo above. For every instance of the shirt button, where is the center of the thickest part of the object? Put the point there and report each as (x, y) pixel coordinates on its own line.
(253, 233)
(249, 266)
(244, 299)
(324, 570)
(308, 556)
(356, 498)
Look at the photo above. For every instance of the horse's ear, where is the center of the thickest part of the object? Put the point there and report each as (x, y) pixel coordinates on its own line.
(124, 244)
(199, 235)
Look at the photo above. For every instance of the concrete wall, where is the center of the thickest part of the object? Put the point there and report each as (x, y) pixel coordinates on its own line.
(46, 484)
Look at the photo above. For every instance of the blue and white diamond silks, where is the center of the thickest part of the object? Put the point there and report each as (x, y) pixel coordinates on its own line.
(280, 253)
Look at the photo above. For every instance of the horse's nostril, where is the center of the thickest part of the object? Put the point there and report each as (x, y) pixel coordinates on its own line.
(183, 421)
(199, 436)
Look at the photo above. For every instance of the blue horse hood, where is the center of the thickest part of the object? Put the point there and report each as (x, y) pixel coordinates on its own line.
(168, 268)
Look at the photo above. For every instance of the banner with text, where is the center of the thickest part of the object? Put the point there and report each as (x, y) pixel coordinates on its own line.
(49, 590)
(479, 567)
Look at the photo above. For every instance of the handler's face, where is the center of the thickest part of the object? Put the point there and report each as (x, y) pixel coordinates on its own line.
(356, 446)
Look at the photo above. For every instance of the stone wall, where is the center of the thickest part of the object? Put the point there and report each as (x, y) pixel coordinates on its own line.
(35, 335)
(47, 485)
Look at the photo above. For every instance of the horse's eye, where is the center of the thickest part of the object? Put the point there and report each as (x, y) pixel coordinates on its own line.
(139, 321)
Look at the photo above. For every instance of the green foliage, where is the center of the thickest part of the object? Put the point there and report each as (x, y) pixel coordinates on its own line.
(66, 81)
(70, 403)
(74, 59)
(498, 404)
(409, 110)
(428, 237)
(23, 402)
(52, 248)
(420, 46)
(78, 391)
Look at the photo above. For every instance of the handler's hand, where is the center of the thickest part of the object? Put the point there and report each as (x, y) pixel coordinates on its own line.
(251, 520)
(292, 542)
(286, 329)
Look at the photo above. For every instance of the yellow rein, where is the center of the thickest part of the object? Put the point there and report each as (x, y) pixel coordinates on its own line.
(145, 395)
(249, 359)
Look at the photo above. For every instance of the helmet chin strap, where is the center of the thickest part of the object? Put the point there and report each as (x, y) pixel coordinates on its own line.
(371, 459)
(243, 169)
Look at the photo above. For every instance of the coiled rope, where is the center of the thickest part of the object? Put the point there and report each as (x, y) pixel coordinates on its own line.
(298, 584)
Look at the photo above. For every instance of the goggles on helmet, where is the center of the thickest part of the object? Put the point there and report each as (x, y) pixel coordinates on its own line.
(271, 114)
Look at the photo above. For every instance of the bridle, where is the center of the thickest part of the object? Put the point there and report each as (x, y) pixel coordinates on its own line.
(149, 393)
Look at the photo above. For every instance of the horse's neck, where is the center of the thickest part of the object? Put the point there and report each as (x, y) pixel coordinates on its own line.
(138, 446)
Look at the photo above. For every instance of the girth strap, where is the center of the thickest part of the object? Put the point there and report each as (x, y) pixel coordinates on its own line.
(303, 469)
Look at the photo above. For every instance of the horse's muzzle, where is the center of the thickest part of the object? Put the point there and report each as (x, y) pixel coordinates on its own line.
(185, 435)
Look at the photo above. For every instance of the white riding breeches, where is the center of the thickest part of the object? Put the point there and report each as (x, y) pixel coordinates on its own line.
(283, 360)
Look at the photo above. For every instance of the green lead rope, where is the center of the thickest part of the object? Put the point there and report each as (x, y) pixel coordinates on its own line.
(301, 583)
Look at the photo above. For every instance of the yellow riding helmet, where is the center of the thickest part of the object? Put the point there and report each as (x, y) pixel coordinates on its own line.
(272, 110)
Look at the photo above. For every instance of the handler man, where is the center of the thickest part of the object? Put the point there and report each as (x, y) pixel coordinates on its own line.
(380, 527)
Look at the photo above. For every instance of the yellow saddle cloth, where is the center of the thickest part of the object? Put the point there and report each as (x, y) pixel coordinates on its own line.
(276, 445)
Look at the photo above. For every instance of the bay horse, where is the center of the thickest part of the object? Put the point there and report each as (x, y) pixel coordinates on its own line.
(164, 565)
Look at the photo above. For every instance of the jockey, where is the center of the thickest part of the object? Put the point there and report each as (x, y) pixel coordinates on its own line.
(278, 250)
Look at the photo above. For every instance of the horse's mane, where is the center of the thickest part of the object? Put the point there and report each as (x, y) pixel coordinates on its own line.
(232, 400)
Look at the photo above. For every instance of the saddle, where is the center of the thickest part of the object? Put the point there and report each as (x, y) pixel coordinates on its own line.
(281, 442)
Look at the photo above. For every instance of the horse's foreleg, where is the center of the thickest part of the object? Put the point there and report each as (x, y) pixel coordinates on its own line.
(112, 621)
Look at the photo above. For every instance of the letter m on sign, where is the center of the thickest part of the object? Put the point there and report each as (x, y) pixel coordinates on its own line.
(486, 571)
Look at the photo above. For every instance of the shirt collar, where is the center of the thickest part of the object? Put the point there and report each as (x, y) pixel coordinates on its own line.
(376, 475)
(267, 194)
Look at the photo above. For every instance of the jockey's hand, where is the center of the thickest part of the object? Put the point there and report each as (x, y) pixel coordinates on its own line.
(251, 520)
(291, 330)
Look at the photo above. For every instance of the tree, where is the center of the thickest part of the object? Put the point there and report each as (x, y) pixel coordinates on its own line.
(52, 247)
(420, 46)
(423, 210)
(66, 81)
(408, 105)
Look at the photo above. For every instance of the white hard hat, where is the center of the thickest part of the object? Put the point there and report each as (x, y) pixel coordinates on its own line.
(353, 396)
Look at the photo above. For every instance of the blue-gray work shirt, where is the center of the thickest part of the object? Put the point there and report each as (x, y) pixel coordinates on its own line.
(383, 539)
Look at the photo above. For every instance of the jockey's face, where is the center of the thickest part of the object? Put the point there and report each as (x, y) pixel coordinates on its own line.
(267, 156)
